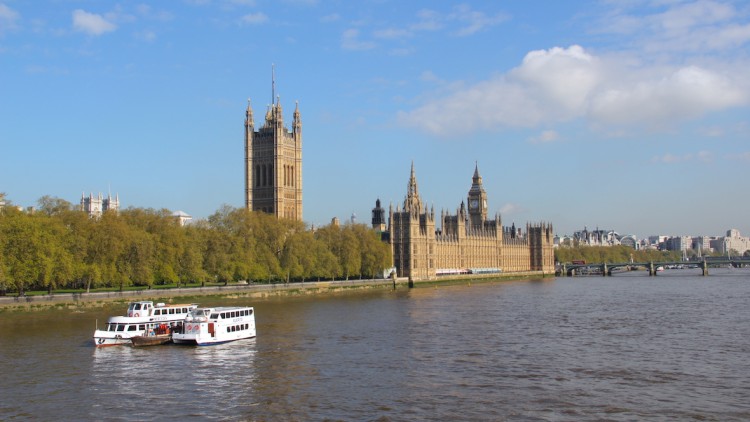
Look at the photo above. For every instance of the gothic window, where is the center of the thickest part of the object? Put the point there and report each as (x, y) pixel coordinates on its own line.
(257, 175)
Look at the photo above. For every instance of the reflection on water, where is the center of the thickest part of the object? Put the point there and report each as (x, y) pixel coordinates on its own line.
(629, 347)
(192, 381)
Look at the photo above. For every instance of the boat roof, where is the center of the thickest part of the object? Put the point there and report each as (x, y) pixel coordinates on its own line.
(227, 308)
(165, 305)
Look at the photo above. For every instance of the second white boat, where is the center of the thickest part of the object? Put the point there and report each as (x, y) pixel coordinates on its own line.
(206, 326)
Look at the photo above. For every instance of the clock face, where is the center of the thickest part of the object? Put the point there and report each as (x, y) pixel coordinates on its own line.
(473, 203)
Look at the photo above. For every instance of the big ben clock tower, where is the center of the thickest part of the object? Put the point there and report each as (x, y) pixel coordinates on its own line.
(477, 200)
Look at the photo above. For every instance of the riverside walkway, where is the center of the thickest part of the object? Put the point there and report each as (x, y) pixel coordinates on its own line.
(606, 268)
(258, 290)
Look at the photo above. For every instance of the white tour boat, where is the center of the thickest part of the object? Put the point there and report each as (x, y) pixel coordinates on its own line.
(141, 317)
(205, 326)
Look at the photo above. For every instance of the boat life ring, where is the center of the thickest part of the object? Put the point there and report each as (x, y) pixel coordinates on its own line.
(136, 314)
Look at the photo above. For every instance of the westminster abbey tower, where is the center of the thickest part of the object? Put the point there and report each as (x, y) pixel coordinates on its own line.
(273, 163)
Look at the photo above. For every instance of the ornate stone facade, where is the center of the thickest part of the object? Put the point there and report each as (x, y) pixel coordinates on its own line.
(466, 243)
(95, 206)
(273, 164)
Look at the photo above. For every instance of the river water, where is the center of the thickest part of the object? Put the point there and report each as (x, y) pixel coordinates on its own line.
(622, 348)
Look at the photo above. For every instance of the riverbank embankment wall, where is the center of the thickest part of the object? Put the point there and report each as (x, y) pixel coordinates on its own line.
(250, 290)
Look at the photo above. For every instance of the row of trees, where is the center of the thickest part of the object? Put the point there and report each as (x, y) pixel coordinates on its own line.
(58, 247)
(610, 254)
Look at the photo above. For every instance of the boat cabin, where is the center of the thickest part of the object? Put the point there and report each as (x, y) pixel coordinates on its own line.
(137, 309)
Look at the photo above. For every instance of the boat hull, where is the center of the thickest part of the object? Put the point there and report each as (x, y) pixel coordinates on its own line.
(143, 341)
(107, 338)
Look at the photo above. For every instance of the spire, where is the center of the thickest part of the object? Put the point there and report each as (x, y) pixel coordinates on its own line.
(249, 114)
(477, 178)
(273, 83)
(296, 121)
(412, 202)
(412, 188)
(278, 114)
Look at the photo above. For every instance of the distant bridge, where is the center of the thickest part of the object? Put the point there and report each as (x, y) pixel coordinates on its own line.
(652, 267)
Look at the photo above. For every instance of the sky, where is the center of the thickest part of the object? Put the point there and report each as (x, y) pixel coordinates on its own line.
(631, 116)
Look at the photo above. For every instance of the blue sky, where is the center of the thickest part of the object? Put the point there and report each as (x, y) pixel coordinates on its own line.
(625, 115)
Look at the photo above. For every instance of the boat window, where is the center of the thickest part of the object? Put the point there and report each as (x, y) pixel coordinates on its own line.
(141, 327)
(214, 316)
(137, 307)
(171, 311)
(120, 327)
(223, 315)
(251, 312)
(132, 327)
(228, 330)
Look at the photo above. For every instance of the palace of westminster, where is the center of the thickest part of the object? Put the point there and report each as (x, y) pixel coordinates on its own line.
(467, 242)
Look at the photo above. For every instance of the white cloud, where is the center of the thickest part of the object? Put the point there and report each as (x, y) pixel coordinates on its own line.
(473, 21)
(563, 84)
(510, 209)
(684, 93)
(429, 76)
(350, 41)
(146, 35)
(546, 136)
(254, 18)
(427, 20)
(91, 23)
(392, 33)
(330, 18)
(694, 26)
(8, 18)
(702, 156)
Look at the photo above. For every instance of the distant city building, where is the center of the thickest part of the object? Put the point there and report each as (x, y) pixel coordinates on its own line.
(733, 242)
(630, 240)
(182, 217)
(466, 242)
(679, 243)
(598, 237)
(702, 244)
(273, 162)
(95, 206)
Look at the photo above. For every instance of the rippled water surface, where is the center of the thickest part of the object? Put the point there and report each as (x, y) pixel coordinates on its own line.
(622, 348)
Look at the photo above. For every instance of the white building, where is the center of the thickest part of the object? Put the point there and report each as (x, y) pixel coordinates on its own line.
(732, 242)
(96, 205)
(182, 217)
